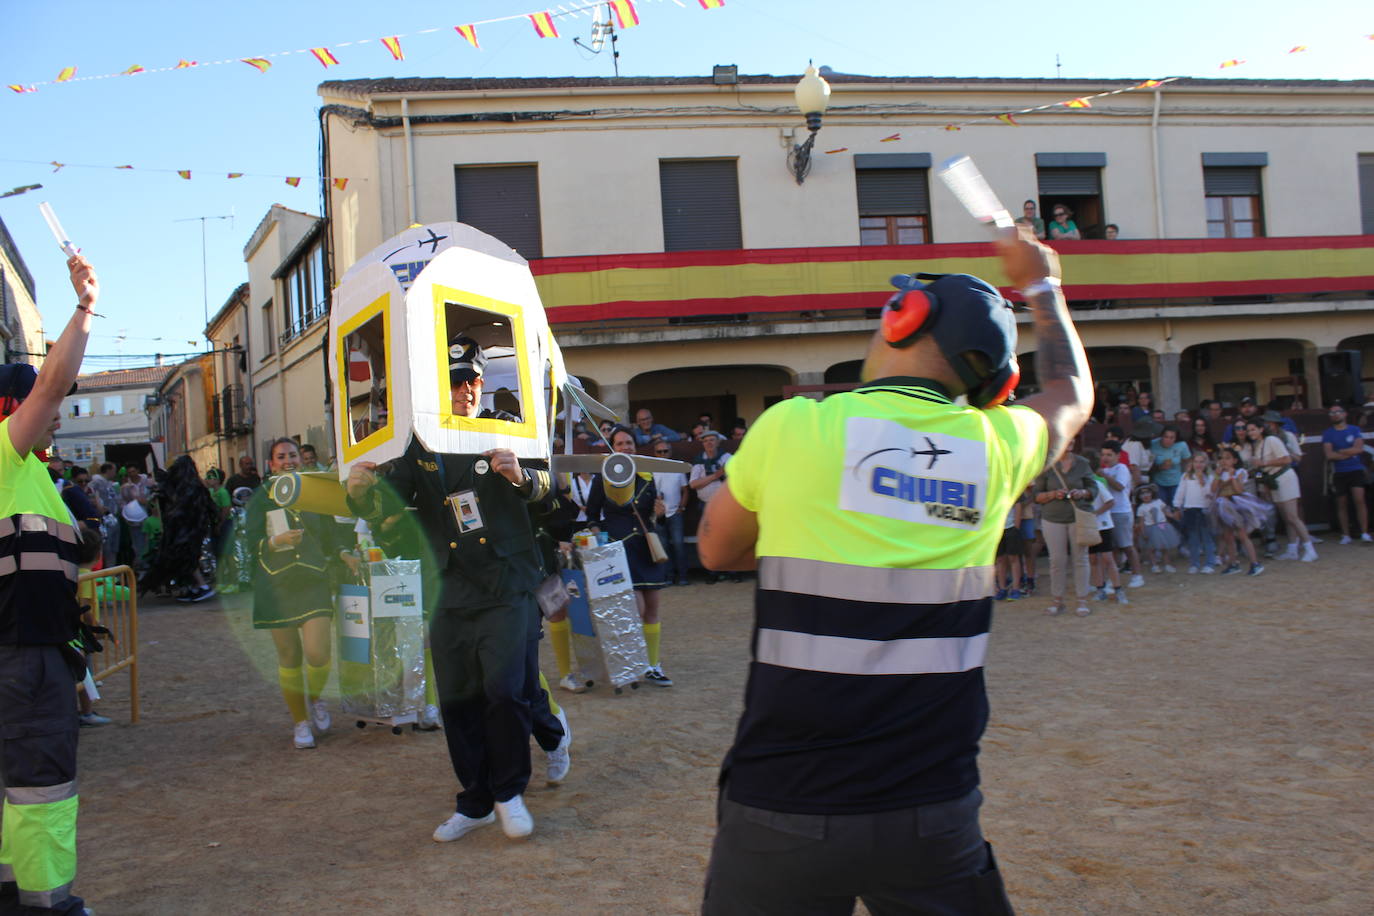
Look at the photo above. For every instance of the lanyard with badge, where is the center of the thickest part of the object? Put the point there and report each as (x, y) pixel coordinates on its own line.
(467, 513)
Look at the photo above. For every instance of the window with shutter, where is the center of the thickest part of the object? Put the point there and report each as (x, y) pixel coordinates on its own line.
(700, 204)
(1367, 193)
(894, 205)
(502, 201)
(1234, 202)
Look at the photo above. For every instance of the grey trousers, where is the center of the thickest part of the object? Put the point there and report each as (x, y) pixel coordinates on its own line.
(931, 859)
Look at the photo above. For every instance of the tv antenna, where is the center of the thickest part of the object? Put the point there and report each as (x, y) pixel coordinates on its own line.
(204, 288)
(602, 28)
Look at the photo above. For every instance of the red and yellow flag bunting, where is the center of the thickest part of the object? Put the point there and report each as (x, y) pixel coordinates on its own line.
(325, 57)
(543, 24)
(625, 13)
(469, 33)
(261, 63)
(393, 44)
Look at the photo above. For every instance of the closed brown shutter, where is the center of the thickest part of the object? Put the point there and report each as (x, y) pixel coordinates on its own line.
(700, 204)
(502, 201)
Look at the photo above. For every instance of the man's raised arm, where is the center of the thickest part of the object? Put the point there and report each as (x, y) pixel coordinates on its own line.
(31, 421)
(1066, 385)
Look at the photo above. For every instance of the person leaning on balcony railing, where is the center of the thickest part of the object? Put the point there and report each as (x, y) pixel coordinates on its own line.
(1062, 227)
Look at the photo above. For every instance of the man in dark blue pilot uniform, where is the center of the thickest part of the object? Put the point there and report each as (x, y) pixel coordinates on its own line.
(473, 509)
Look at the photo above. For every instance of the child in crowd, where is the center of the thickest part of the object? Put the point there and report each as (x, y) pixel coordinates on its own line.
(1236, 512)
(1031, 541)
(1117, 475)
(1009, 569)
(1101, 564)
(1157, 537)
(1192, 500)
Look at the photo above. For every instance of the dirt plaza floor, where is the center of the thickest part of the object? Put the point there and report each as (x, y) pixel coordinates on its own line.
(1205, 750)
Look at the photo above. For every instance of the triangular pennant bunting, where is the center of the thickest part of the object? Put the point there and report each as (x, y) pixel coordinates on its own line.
(469, 33)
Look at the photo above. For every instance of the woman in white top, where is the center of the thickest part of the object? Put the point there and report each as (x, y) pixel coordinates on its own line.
(1272, 466)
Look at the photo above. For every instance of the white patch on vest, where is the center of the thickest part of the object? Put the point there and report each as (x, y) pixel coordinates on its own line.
(929, 478)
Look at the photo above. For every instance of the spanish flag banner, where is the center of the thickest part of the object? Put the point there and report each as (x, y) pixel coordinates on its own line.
(325, 57)
(953, 127)
(625, 14)
(184, 63)
(469, 33)
(132, 70)
(1077, 103)
(66, 74)
(184, 173)
(340, 183)
(235, 175)
(294, 182)
(1148, 84)
(842, 149)
(393, 44)
(1297, 49)
(124, 166)
(711, 4)
(1233, 62)
(1008, 119)
(18, 88)
(890, 139)
(261, 63)
(543, 25)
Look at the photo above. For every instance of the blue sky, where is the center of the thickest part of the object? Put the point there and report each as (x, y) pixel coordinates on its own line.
(229, 117)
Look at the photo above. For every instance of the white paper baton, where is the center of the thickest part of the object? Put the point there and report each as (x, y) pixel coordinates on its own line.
(962, 177)
(63, 241)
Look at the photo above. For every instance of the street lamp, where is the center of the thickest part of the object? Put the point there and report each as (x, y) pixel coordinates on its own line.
(24, 189)
(812, 95)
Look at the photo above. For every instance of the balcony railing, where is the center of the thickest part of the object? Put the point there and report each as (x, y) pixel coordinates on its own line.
(824, 281)
(302, 322)
(231, 411)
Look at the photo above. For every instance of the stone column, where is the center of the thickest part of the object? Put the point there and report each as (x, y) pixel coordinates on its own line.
(1311, 368)
(1168, 389)
(811, 378)
(617, 397)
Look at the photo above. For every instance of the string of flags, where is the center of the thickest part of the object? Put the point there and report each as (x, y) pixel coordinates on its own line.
(337, 183)
(625, 12)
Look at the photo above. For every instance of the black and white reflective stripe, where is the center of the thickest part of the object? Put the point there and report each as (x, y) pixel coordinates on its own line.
(48, 899)
(844, 655)
(865, 583)
(27, 522)
(40, 795)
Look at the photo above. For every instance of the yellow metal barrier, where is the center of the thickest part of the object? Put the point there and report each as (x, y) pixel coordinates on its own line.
(113, 596)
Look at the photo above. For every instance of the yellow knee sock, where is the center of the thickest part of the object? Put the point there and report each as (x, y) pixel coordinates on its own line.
(290, 680)
(652, 632)
(553, 704)
(560, 634)
(315, 679)
(431, 691)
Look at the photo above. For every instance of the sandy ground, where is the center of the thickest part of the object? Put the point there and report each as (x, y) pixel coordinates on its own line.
(1204, 751)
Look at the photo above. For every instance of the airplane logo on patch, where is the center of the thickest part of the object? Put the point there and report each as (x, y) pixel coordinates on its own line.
(933, 452)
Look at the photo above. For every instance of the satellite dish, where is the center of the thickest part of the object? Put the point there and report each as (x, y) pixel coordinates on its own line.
(600, 27)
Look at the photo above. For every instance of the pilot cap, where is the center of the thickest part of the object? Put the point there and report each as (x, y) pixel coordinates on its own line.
(466, 361)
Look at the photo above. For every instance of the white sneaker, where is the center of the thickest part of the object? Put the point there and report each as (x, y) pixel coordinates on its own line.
(1121, 597)
(573, 684)
(1345, 539)
(1136, 581)
(1291, 553)
(1169, 569)
(319, 716)
(429, 719)
(459, 826)
(515, 818)
(1209, 570)
(1192, 570)
(1154, 568)
(1366, 537)
(560, 761)
(303, 736)
(1309, 553)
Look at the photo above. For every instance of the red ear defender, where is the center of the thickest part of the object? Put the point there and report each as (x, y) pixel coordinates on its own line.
(906, 314)
(8, 406)
(996, 390)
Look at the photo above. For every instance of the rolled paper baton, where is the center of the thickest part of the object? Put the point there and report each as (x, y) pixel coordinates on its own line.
(962, 177)
(63, 241)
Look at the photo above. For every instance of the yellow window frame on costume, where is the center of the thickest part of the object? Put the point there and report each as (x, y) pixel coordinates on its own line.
(344, 390)
(498, 327)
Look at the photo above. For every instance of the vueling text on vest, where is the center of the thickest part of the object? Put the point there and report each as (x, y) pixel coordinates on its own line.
(948, 499)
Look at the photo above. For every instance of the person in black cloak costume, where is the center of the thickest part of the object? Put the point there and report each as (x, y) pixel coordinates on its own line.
(188, 513)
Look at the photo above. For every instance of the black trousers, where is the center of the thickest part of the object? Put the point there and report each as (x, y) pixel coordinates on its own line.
(544, 725)
(480, 659)
(930, 860)
(38, 731)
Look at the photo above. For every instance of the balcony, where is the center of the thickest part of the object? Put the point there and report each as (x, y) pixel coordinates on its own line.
(846, 281)
(231, 412)
(302, 322)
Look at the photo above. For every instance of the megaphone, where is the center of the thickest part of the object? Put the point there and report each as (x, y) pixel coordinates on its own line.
(617, 470)
(318, 492)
